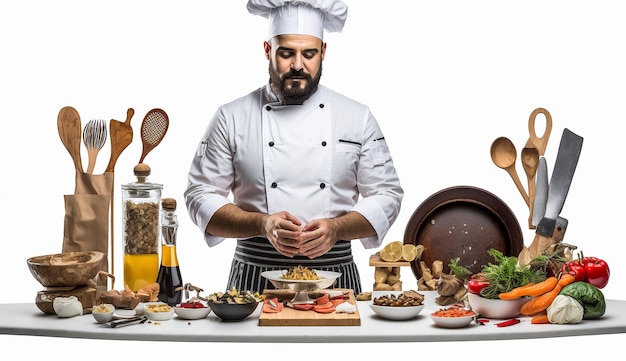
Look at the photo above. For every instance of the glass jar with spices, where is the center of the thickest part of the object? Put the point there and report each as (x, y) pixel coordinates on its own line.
(141, 208)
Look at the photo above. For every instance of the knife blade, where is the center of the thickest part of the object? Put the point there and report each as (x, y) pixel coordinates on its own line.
(564, 167)
(541, 192)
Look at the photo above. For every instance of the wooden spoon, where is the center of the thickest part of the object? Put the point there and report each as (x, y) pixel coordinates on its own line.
(540, 142)
(70, 131)
(530, 162)
(504, 155)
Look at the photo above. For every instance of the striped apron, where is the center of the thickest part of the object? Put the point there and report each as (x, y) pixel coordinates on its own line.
(256, 255)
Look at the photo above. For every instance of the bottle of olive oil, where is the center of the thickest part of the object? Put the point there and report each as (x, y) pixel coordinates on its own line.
(169, 279)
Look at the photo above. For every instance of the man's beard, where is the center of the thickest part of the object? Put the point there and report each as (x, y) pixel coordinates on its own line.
(294, 94)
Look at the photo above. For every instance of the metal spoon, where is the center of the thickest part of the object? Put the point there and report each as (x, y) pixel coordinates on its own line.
(504, 155)
(530, 162)
(94, 136)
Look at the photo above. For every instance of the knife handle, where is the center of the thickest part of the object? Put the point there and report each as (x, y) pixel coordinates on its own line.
(546, 227)
(554, 228)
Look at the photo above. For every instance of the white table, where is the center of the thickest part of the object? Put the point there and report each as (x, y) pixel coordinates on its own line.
(26, 319)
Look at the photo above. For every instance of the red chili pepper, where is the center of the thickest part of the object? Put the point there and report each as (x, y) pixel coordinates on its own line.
(476, 283)
(597, 271)
(510, 322)
(575, 268)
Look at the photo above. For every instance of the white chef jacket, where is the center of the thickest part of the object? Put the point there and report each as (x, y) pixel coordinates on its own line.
(320, 159)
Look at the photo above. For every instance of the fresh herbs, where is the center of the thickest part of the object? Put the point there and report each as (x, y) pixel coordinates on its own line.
(458, 270)
(506, 274)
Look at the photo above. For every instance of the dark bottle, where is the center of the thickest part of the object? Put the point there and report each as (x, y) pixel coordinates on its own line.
(169, 279)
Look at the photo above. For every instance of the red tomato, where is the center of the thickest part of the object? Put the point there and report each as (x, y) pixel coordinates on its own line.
(597, 271)
(575, 268)
(476, 283)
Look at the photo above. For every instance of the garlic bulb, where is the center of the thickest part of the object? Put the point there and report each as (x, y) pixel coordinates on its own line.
(67, 306)
(565, 309)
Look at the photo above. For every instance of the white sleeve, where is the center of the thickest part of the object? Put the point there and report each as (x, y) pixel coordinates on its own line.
(210, 176)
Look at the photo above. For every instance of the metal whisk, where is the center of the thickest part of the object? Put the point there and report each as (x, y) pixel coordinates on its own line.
(95, 136)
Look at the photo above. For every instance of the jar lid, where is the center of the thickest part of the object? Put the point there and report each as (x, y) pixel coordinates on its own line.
(169, 203)
(142, 171)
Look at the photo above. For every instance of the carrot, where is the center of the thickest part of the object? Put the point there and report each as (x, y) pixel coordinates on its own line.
(540, 319)
(325, 298)
(541, 303)
(337, 301)
(534, 290)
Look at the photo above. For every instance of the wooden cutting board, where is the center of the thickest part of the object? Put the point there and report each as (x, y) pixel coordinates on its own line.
(376, 261)
(290, 317)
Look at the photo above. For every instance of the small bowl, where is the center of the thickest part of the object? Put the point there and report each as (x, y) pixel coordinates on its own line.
(396, 313)
(103, 313)
(65, 269)
(233, 311)
(452, 322)
(158, 311)
(188, 313)
(496, 308)
(140, 309)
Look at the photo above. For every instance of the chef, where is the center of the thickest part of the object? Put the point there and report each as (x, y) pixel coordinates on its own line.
(294, 171)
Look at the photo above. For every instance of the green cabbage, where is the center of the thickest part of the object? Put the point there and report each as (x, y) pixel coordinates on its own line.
(589, 296)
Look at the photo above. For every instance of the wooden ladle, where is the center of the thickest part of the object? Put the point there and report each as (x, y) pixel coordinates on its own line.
(530, 162)
(504, 155)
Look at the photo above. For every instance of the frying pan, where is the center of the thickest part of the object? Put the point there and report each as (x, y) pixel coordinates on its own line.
(463, 222)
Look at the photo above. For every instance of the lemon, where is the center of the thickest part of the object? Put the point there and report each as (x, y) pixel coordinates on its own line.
(392, 252)
(409, 252)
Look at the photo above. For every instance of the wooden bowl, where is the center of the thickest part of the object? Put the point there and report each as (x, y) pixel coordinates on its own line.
(65, 269)
(463, 222)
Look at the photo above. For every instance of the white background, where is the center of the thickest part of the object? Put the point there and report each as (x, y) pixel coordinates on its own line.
(443, 78)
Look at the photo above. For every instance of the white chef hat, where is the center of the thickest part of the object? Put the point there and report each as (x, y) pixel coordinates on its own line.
(305, 17)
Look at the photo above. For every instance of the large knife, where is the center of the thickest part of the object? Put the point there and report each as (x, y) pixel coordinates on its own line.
(549, 198)
(566, 161)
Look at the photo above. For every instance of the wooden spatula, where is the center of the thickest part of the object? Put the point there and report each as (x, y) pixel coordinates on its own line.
(121, 135)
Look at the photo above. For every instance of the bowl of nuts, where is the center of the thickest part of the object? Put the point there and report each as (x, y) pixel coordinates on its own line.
(158, 311)
(398, 306)
(103, 313)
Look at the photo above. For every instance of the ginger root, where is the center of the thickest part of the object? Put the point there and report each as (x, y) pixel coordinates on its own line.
(128, 299)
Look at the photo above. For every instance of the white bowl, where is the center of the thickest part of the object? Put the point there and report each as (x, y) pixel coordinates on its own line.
(452, 322)
(103, 313)
(496, 308)
(192, 313)
(140, 309)
(158, 311)
(396, 313)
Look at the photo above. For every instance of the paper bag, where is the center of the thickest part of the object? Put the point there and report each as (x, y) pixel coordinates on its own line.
(87, 215)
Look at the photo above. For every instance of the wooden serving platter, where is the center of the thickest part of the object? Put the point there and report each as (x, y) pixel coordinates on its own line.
(290, 317)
